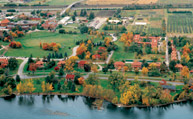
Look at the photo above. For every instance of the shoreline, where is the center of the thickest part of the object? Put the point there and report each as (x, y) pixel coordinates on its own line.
(79, 94)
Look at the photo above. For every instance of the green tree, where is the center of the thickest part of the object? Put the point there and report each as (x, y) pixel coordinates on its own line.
(17, 78)
(91, 16)
(92, 80)
(13, 63)
(116, 80)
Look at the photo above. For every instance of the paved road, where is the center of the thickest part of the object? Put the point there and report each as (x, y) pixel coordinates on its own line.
(167, 55)
(179, 56)
(69, 7)
(157, 81)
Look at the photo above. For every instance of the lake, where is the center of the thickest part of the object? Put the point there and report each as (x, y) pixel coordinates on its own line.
(78, 107)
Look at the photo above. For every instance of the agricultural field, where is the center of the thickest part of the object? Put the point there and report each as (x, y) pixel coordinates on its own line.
(31, 44)
(180, 23)
(108, 2)
(175, 1)
(152, 18)
(60, 2)
(47, 2)
(128, 13)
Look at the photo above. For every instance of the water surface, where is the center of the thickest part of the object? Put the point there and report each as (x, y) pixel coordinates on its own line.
(77, 107)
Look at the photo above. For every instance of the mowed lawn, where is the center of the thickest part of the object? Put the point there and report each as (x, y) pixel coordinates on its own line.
(120, 54)
(31, 44)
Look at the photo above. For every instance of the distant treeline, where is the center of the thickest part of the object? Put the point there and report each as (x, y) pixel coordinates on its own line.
(16, 5)
(141, 7)
(179, 12)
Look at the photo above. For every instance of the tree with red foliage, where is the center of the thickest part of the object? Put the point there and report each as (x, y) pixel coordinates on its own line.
(32, 67)
(15, 44)
(56, 68)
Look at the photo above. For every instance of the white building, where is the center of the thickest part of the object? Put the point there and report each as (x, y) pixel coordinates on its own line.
(64, 20)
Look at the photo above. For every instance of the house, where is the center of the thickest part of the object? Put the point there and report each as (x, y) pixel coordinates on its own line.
(64, 20)
(3, 63)
(174, 54)
(39, 64)
(154, 43)
(179, 67)
(114, 21)
(191, 71)
(97, 56)
(50, 25)
(81, 64)
(35, 19)
(136, 38)
(70, 77)
(158, 64)
(27, 23)
(168, 87)
(119, 65)
(5, 22)
(136, 64)
(61, 63)
(102, 48)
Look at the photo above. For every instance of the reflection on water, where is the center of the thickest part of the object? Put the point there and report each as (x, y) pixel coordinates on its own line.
(26, 100)
(78, 107)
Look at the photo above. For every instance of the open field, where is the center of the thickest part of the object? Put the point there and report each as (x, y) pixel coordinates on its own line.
(47, 2)
(31, 43)
(108, 2)
(180, 23)
(175, 1)
(120, 54)
(152, 18)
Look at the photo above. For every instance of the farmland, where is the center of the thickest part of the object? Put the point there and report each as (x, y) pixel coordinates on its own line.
(180, 23)
(108, 2)
(175, 1)
(47, 2)
(153, 20)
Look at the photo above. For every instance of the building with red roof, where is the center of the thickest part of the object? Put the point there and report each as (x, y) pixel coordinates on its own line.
(3, 63)
(97, 56)
(102, 48)
(61, 63)
(39, 64)
(81, 64)
(35, 19)
(136, 38)
(119, 65)
(5, 22)
(136, 64)
(174, 54)
(154, 43)
(70, 77)
(179, 67)
(50, 25)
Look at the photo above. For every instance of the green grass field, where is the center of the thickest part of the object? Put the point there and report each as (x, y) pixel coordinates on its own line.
(120, 54)
(31, 44)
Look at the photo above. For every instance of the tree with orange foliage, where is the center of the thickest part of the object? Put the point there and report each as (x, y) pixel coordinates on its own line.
(185, 73)
(81, 80)
(81, 51)
(88, 54)
(107, 41)
(15, 44)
